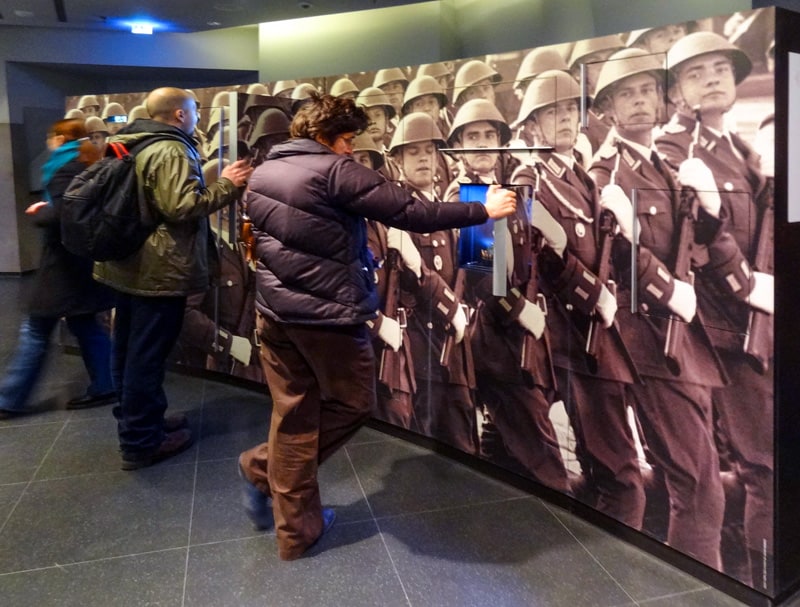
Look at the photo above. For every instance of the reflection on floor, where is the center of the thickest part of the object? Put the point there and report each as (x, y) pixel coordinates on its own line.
(413, 528)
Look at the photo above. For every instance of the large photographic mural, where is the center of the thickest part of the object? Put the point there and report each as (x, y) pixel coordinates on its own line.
(623, 355)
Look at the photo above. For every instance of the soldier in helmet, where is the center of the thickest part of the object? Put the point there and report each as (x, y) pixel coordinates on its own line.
(479, 124)
(115, 117)
(444, 409)
(272, 127)
(515, 430)
(726, 171)
(89, 105)
(75, 114)
(284, 88)
(301, 94)
(475, 80)
(138, 111)
(98, 132)
(344, 87)
(393, 82)
(574, 280)
(396, 381)
(674, 401)
(379, 112)
(657, 39)
(592, 53)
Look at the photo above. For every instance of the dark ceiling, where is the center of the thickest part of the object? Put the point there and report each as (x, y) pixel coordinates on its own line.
(172, 15)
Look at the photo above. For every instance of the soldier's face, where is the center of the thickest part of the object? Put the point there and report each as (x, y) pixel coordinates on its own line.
(707, 83)
(417, 161)
(428, 104)
(480, 90)
(91, 110)
(395, 91)
(635, 104)
(363, 157)
(98, 139)
(376, 127)
(556, 125)
(481, 134)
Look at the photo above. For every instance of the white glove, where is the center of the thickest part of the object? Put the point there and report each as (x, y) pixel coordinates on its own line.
(532, 319)
(32, 209)
(762, 296)
(615, 200)
(241, 349)
(401, 242)
(606, 306)
(696, 174)
(509, 254)
(683, 302)
(390, 332)
(459, 324)
(552, 231)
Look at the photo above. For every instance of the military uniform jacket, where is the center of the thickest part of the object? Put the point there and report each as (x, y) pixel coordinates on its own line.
(431, 303)
(726, 281)
(570, 284)
(657, 206)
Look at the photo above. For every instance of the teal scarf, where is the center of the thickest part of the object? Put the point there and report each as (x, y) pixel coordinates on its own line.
(58, 158)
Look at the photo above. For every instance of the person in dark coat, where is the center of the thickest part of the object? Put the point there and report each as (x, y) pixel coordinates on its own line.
(63, 287)
(315, 293)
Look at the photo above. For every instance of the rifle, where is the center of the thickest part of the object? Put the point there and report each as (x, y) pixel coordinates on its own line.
(758, 340)
(607, 226)
(389, 369)
(449, 340)
(682, 270)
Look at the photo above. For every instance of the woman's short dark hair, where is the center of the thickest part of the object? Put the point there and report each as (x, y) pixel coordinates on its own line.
(327, 117)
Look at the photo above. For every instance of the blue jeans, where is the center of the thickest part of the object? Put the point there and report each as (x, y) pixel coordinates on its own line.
(30, 356)
(145, 331)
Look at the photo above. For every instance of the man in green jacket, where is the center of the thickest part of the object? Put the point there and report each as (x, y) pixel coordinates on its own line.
(153, 283)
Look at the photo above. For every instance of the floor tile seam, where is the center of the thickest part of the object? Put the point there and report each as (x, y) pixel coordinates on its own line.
(378, 527)
(674, 595)
(194, 497)
(32, 479)
(589, 552)
(92, 561)
(162, 465)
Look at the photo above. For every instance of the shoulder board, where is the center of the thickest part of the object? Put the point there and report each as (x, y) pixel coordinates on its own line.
(554, 167)
(630, 160)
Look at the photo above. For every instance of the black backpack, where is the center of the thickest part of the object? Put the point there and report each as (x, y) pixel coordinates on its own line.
(104, 215)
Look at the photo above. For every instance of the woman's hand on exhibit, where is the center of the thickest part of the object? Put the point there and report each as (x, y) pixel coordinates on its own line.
(499, 202)
(239, 173)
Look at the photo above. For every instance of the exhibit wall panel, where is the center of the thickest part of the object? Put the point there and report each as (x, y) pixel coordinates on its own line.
(683, 453)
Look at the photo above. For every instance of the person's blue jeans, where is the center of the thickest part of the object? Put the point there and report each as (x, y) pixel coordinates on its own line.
(28, 361)
(145, 331)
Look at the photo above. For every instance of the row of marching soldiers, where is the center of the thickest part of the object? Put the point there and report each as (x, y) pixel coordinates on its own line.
(641, 281)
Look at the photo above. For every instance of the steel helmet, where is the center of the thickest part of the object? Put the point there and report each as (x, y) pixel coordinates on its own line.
(75, 114)
(88, 100)
(212, 168)
(258, 89)
(372, 96)
(95, 124)
(625, 63)
(114, 109)
(703, 43)
(364, 143)
(547, 88)
(414, 128)
(137, 112)
(478, 110)
(283, 86)
(537, 61)
(437, 70)
(423, 85)
(343, 86)
(301, 94)
(584, 48)
(470, 74)
(271, 122)
(392, 74)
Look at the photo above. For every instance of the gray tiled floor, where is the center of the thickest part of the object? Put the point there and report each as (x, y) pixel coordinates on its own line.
(413, 528)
